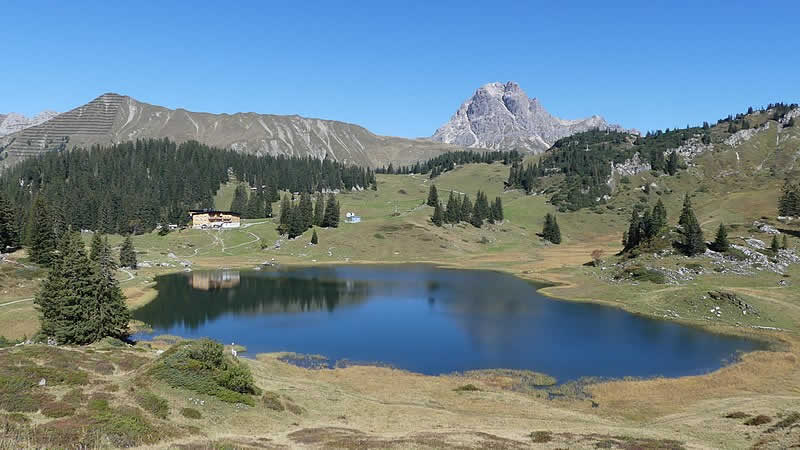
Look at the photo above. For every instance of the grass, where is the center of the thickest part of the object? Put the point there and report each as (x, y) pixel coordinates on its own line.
(152, 403)
(191, 413)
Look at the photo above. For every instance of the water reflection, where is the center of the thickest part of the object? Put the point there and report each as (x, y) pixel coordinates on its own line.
(429, 320)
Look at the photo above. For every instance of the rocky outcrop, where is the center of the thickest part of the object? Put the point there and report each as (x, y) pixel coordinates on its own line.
(13, 122)
(742, 136)
(693, 148)
(501, 117)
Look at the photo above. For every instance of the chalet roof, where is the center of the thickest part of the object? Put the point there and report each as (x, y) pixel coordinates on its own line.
(212, 211)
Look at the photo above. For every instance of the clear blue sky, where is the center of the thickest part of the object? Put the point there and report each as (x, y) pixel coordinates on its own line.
(403, 68)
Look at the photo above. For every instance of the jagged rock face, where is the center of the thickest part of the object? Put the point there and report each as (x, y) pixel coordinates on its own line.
(502, 117)
(113, 118)
(13, 122)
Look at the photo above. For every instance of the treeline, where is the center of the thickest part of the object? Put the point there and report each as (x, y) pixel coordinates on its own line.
(461, 209)
(297, 217)
(132, 187)
(789, 201)
(585, 159)
(449, 160)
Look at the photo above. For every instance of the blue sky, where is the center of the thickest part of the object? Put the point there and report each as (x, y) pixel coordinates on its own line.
(403, 68)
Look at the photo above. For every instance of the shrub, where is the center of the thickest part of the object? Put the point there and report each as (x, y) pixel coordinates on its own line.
(191, 413)
(467, 388)
(379, 236)
(759, 420)
(541, 437)
(737, 415)
(294, 409)
(214, 373)
(272, 401)
(736, 254)
(57, 409)
(153, 404)
(786, 422)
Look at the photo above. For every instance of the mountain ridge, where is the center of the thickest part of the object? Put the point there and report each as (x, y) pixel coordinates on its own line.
(13, 122)
(501, 116)
(113, 118)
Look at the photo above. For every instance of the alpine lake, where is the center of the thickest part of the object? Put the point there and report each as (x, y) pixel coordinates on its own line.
(428, 320)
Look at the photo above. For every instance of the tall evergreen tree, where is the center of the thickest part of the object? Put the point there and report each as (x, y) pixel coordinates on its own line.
(475, 219)
(466, 209)
(65, 298)
(497, 210)
(433, 196)
(438, 215)
(42, 236)
(239, 203)
(314, 238)
(95, 247)
(267, 206)
(453, 210)
(297, 223)
(659, 217)
(672, 163)
(9, 234)
(306, 210)
(286, 210)
(721, 243)
(331, 217)
(693, 241)
(319, 210)
(686, 211)
(551, 231)
(108, 314)
(633, 237)
(255, 206)
(127, 254)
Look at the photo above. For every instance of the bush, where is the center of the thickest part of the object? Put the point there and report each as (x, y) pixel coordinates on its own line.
(759, 420)
(541, 437)
(737, 415)
(736, 254)
(191, 413)
(202, 367)
(272, 401)
(467, 388)
(639, 273)
(153, 404)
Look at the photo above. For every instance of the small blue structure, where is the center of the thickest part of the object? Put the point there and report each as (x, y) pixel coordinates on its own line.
(351, 218)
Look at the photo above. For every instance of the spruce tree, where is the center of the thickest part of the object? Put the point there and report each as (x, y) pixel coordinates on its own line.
(255, 206)
(286, 209)
(775, 245)
(66, 297)
(686, 211)
(475, 219)
(633, 237)
(95, 247)
(267, 206)
(306, 211)
(127, 254)
(453, 209)
(331, 216)
(438, 216)
(109, 316)
(551, 232)
(659, 217)
(497, 209)
(42, 237)
(239, 203)
(297, 223)
(319, 210)
(693, 241)
(466, 210)
(9, 235)
(433, 196)
(314, 238)
(721, 243)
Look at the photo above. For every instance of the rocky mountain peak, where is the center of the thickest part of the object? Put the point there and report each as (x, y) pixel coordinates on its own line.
(501, 116)
(13, 122)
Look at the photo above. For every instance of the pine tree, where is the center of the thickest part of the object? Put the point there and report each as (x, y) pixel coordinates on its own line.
(239, 203)
(331, 217)
(433, 196)
(255, 206)
(65, 298)
(453, 210)
(42, 237)
(306, 211)
(497, 210)
(551, 232)
(267, 206)
(693, 241)
(466, 210)
(9, 235)
(686, 211)
(659, 217)
(319, 210)
(109, 316)
(95, 247)
(721, 243)
(633, 237)
(314, 238)
(297, 223)
(286, 209)
(127, 254)
(475, 219)
(438, 216)
(672, 163)
(775, 245)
